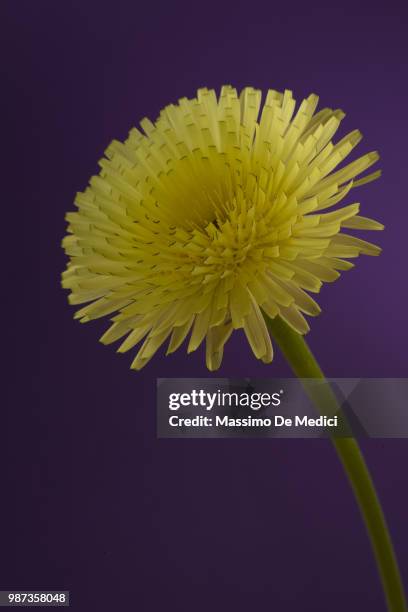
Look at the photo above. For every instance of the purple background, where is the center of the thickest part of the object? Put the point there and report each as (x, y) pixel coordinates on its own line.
(91, 501)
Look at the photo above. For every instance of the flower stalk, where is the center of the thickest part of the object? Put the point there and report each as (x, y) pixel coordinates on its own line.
(305, 366)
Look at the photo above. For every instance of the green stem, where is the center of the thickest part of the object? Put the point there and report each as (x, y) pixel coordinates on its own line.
(305, 366)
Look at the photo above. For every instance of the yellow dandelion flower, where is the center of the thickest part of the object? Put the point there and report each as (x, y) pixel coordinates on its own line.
(220, 211)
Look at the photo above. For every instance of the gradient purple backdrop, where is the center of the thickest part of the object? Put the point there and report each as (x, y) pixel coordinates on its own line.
(91, 500)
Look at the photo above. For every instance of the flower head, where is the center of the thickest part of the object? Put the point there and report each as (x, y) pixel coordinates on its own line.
(221, 210)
